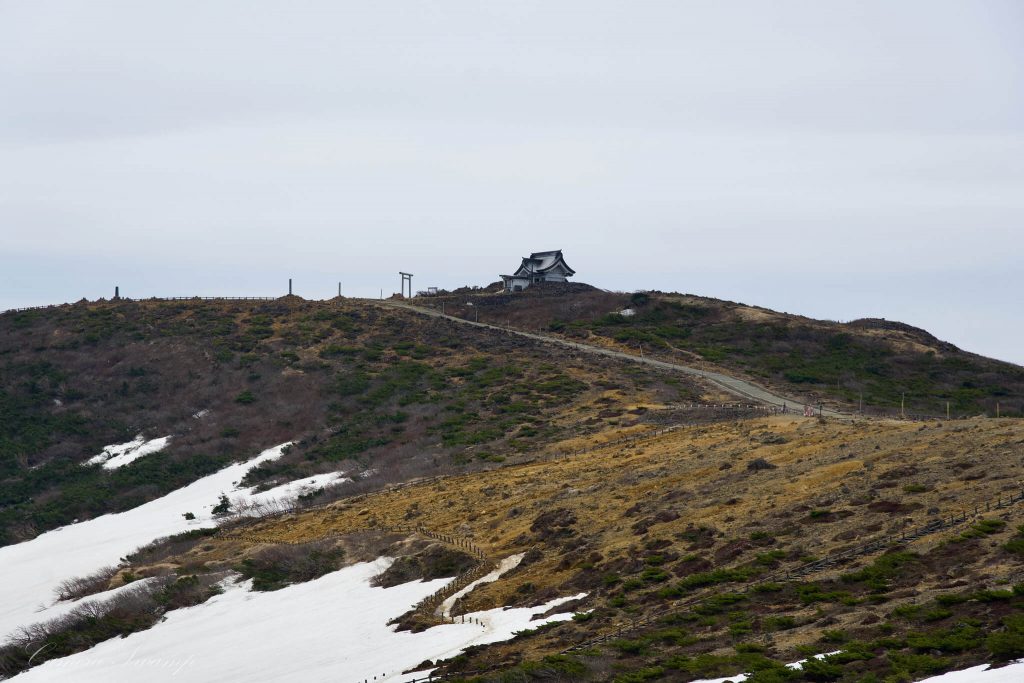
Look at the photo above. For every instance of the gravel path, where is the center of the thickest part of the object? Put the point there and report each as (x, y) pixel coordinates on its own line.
(732, 385)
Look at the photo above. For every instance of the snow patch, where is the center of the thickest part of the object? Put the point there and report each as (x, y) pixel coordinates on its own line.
(119, 455)
(32, 570)
(283, 497)
(739, 678)
(1011, 673)
(298, 487)
(506, 565)
(332, 628)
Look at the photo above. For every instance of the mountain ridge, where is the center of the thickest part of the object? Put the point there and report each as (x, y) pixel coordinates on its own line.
(687, 520)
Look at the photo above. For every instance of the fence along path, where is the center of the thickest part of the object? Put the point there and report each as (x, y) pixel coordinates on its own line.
(952, 520)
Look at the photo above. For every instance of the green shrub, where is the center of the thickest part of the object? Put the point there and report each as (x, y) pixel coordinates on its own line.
(959, 638)
(767, 587)
(673, 636)
(916, 664)
(770, 558)
(834, 636)
(223, 506)
(746, 648)
(563, 666)
(821, 669)
(983, 527)
(1009, 643)
(647, 674)
(717, 604)
(630, 647)
(937, 614)
(1016, 544)
(950, 599)
(654, 575)
(334, 351)
(879, 573)
(778, 623)
(611, 579)
(810, 593)
(991, 595)
(740, 628)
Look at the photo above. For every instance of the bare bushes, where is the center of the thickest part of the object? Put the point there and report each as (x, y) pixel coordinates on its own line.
(169, 546)
(262, 508)
(81, 586)
(398, 466)
(135, 608)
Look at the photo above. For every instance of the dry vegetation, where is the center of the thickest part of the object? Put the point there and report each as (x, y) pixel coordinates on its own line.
(480, 423)
(704, 511)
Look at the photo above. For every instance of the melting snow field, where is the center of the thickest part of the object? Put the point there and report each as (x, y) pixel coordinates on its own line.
(119, 455)
(334, 628)
(331, 629)
(33, 569)
(1013, 673)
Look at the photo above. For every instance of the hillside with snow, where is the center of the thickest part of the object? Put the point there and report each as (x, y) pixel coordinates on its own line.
(334, 626)
(476, 502)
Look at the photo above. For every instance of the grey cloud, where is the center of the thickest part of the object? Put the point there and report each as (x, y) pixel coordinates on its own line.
(836, 159)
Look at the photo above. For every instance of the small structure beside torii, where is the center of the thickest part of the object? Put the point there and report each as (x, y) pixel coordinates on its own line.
(540, 266)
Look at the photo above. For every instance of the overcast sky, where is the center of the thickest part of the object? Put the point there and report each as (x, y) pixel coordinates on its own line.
(835, 159)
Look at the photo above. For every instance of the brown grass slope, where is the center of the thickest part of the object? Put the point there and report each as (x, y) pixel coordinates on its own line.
(707, 511)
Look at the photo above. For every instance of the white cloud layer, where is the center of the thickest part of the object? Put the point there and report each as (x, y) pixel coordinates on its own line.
(838, 159)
